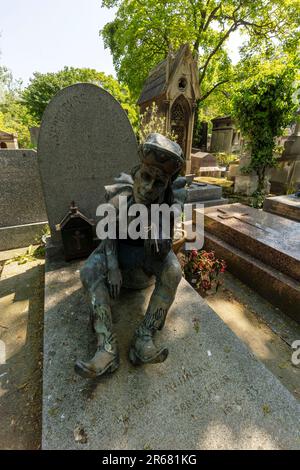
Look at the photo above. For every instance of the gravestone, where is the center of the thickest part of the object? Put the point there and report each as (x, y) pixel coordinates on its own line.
(224, 137)
(204, 162)
(84, 142)
(22, 209)
(286, 176)
(210, 393)
(261, 249)
(286, 206)
(247, 184)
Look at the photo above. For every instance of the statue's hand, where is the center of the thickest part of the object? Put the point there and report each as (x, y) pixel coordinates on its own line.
(158, 247)
(114, 282)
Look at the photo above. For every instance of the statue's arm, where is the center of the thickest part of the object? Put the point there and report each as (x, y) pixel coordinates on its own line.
(114, 276)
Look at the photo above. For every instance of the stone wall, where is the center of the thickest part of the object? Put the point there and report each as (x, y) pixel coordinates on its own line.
(22, 207)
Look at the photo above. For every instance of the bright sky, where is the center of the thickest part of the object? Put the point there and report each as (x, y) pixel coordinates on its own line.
(46, 35)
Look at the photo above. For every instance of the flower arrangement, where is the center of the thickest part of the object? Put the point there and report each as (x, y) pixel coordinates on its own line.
(202, 269)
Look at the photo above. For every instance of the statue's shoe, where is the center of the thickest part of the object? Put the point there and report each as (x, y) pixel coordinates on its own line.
(144, 351)
(103, 362)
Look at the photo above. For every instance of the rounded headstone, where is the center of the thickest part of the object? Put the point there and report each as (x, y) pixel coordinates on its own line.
(85, 141)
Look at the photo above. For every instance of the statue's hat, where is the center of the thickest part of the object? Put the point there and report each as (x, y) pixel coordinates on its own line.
(162, 152)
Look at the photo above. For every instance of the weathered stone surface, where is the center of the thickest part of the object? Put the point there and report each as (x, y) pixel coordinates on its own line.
(245, 184)
(85, 141)
(267, 237)
(21, 235)
(211, 393)
(279, 289)
(203, 192)
(21, 195)
(22, 207)
(286, 206)
(286, 176)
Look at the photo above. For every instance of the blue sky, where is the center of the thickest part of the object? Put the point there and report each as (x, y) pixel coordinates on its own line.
(46, 35)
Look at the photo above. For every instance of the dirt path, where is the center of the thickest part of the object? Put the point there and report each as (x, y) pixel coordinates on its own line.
(21, 329)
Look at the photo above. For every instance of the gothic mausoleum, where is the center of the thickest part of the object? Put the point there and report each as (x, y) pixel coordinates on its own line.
(173, 85)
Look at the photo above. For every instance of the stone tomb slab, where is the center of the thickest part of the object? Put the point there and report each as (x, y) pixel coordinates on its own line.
(287, 206)
(201, 192)
(211, 393)
(269, 238)
(84, 142)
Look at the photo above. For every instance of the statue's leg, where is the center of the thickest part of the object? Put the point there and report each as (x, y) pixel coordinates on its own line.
(94, 279)
(168, 275)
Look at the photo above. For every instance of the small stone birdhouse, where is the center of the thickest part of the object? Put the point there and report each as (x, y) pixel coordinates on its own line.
(77, 234)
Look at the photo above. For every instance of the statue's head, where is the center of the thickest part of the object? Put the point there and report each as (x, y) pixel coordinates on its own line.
(161, 162)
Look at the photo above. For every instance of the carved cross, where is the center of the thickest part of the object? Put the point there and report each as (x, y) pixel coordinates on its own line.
(77, 237)
(239, 216)
(231, 215)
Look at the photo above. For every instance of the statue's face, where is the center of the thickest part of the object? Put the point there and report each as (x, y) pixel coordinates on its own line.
(149, 185)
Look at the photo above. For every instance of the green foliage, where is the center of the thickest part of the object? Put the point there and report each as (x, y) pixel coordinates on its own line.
(257, 199)
(144, 31)
(43, 87)
(151, 121)
(15, 119)
(14, 116)
(264, 105)
(32, 254)
(223, 158)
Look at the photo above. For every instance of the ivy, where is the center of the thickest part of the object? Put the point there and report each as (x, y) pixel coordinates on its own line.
(264, 106)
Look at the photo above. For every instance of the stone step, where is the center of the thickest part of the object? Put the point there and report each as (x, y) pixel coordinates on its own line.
(285, 206)
(210, 393)
(269, 238)
(281, 290)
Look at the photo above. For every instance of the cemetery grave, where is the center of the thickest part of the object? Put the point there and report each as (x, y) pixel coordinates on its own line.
(213, 388)
(207, 397)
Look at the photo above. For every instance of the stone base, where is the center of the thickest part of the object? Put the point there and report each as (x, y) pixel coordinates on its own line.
(210, 393)
(286, 206)
(261, 249)
(277, 288)
(271, 239)
(19, 236)
(203, 192)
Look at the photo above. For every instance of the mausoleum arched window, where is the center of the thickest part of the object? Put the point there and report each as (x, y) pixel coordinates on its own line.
(182, 83)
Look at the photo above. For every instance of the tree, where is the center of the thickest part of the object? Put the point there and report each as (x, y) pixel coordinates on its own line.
(264, 105)
(43, 87)
(14, 116)
(15, 119)
(144, 31)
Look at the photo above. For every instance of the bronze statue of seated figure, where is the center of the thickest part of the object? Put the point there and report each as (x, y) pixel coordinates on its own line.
(134, 263)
